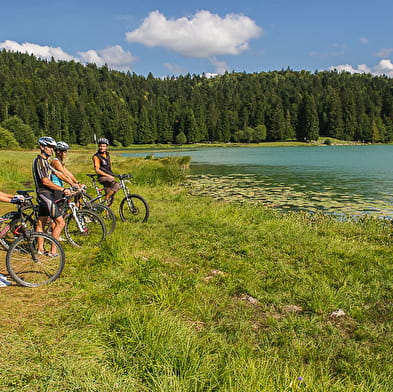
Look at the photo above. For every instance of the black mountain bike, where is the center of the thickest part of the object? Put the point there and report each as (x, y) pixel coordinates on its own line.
(25, 264)
(133, 208)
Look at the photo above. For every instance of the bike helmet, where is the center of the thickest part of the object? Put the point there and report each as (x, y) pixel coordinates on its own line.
(103, 140)
(62, 146)
(47, 141)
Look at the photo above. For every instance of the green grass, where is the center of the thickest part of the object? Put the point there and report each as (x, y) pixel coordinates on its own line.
(209, 296)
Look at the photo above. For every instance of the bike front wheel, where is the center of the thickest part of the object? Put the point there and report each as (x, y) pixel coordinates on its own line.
(89, 230)
(134, 208)
(28, 267)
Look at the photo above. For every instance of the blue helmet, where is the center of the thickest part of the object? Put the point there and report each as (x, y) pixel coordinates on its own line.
(47, 141)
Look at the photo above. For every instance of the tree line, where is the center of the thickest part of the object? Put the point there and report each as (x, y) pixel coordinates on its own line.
(73, 102)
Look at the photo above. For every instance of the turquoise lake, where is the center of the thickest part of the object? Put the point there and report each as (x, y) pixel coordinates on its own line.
(341, 180)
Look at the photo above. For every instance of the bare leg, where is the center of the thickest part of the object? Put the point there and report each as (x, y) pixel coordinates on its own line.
(41, 222)
(58, 228)
(109, 194)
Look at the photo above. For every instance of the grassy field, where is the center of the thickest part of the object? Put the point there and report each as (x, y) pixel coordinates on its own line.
(207, 296)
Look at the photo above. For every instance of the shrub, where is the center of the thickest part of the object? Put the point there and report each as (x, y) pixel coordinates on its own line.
(22, 132)
(7, 139)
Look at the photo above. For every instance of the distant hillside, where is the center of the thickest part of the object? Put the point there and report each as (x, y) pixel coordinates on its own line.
(71, 101)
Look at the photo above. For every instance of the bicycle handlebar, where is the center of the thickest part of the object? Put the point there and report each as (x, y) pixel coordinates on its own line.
(120, 176)
(123, 176)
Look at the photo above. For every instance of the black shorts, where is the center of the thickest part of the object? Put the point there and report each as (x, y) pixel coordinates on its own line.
(47, 205)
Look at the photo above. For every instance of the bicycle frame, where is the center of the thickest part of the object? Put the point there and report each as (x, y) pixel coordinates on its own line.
(72, 206)
(22, 228)
(122, 177)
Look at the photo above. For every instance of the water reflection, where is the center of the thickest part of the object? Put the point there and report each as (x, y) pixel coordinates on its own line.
(340, 180)
(342, 194)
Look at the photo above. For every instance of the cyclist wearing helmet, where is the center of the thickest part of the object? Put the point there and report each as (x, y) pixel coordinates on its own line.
(102, 166)
(57, 163)
(8, 198)
(46, 189)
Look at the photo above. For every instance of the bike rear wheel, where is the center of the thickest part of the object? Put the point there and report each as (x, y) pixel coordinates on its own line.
(90, 231)
(11, 233)
(107, 215)
(134, 208)
(29, 268)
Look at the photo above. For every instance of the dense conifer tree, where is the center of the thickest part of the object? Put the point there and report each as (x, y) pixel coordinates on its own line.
(71, 101)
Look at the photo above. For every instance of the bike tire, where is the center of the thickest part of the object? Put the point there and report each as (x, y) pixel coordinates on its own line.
(94, 229)
(30, 269)
(134, 208)
(12, 233)
(107, 215)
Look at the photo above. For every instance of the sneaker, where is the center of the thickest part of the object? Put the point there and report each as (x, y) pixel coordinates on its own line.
(47, 254)
(4, 282)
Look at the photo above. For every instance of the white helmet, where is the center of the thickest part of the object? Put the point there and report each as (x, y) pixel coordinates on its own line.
(62, 146)
(47, 141)
(103, 140)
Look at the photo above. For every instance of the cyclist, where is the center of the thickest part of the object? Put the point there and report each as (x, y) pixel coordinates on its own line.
(45, 189)
(8, 198)
(58, 164)
(102, 166)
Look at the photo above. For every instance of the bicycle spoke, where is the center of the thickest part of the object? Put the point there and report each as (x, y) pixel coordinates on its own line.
(89, 230)
(30, 268)
(134, 209)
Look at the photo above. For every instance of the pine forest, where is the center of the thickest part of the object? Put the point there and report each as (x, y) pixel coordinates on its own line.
(73, 102)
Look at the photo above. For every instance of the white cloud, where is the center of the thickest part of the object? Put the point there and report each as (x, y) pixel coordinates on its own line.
(362, 68)
(115, 57)
(384, 67)
(44, 52)
(364, 40)
(204, 35)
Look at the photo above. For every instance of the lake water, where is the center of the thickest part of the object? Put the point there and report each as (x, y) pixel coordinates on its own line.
(341, 180)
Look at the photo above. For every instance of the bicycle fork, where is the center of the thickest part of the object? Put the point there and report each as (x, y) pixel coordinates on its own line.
(79, 220)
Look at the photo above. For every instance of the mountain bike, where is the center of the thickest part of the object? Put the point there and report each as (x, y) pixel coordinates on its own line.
(132, 208)
(25, 264)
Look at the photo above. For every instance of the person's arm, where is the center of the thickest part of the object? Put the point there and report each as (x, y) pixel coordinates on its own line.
(97, 169)
(5, 197)
(70, 175)
(61, 172)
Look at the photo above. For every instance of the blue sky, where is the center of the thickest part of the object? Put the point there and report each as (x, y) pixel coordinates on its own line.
(180, 37)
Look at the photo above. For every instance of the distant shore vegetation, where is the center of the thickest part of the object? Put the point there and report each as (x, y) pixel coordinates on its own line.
(76, 103)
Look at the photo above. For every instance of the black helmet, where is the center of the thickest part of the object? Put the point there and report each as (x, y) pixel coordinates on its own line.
(62, 146)
(47, 141)
(103, 140)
